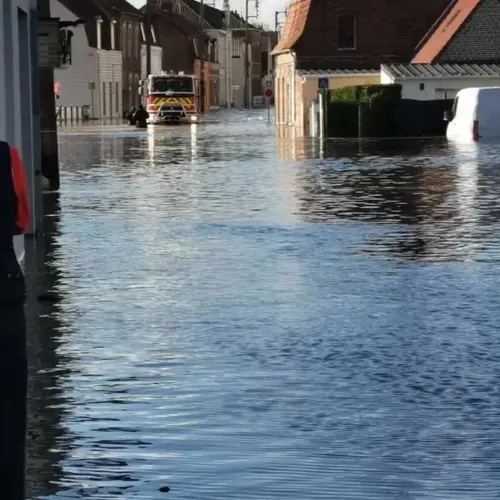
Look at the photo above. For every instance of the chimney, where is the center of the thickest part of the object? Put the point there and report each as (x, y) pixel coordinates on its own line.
(112, 28)
(98, 20)
(227, 14)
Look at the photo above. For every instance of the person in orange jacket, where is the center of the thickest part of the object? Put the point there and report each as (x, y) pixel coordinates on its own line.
(14, 220)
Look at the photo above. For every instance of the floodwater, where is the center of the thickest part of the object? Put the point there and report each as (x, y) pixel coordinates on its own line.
(245, 316)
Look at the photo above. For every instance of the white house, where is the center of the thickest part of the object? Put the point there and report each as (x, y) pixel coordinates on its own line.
(427, 82)
(94, 78)
(20, 115)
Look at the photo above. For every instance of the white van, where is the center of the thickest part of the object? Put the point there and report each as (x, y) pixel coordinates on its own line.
(475, 115)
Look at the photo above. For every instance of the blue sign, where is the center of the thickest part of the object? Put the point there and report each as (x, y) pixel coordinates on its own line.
(322, 83)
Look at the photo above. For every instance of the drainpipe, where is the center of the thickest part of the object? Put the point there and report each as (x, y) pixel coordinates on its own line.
(292, 86)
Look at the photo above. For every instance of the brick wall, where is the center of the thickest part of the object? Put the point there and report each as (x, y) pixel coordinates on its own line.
(386, 31)
(478, 40)
(178, 48)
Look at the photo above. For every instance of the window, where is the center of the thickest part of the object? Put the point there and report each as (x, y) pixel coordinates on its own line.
(137, 42)
(346, 32)
(237, 47)
(123, 36)
(104, 110)
(164, 84)
(153, 34)
(130, 39)
(117, 97)
(143, 33)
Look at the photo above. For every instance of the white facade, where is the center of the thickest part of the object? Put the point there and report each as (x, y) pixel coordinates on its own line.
(20, 115)
(109, 83)
(94, 78)
(432, 88)
(238, 71)
(224, 63)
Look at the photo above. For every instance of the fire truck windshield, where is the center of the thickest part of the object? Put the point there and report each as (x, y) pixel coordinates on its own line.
(172, 84)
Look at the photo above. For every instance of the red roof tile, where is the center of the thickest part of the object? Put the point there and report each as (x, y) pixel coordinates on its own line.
(294, 25)
(452, 21)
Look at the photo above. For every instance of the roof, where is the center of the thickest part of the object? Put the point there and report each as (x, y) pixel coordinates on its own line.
(213, 16)
(449, 24)
(121, 6)
(295, 23)
(423, 71)
(320, 73)
(165, 18)
(85, 9)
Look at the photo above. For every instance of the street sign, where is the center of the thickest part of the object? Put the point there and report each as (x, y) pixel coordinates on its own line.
(323, 83)
(268, 93)
(269, 84)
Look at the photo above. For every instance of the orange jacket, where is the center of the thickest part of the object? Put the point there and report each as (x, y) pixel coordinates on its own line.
(21, 190)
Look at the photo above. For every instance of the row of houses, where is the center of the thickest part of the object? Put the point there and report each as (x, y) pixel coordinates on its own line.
(433, 48)
(109, 53)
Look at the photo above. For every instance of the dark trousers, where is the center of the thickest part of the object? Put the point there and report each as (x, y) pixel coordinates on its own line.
(13, 387)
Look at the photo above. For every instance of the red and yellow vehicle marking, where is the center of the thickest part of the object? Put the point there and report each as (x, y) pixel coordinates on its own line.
(154, 103)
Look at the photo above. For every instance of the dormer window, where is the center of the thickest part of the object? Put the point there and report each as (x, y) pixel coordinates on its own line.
(143, 32)
(98, 20)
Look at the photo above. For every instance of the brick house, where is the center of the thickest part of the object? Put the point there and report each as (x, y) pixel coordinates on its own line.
(333, 35)
(174, 30)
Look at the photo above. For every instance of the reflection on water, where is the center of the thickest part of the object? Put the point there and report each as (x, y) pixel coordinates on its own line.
(48, 443)
(248, 316)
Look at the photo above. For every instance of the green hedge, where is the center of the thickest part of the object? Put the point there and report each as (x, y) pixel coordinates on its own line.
(366, 93)
(377, 104)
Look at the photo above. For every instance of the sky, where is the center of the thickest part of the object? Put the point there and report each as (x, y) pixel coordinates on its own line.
(267, 8)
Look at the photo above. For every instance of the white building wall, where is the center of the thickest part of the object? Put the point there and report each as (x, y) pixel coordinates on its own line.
(19, 117)
(238, 71)
(437, 88)
(109, 83)
(75, 80)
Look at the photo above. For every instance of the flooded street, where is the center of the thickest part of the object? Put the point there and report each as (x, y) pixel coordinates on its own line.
(249, 317)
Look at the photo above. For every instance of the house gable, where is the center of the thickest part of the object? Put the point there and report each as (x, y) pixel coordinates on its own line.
(353, 34)
(452, 22)
(296, 19)
(478, 40)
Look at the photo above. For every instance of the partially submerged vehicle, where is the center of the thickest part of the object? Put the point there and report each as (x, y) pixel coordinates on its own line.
(171, 98)
(475, 115)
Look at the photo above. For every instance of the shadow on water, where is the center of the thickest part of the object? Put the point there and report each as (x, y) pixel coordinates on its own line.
(48, 443)
(51, 442)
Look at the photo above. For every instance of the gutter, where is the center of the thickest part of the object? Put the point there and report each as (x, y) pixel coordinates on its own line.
(340, 75)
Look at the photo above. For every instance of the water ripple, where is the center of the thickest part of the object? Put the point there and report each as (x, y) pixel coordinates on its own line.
(244, 316)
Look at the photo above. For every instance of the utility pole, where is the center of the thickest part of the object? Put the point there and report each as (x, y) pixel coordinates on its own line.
(148, 36)
(202, 58)
(277, 23)
(247, 62)
(48, 120)
(247, 48)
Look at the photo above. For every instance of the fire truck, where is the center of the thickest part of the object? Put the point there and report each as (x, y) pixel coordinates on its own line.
(171, 97)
